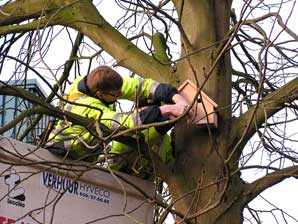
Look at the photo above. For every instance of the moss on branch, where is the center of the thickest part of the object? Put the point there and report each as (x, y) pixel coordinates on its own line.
(160, 48)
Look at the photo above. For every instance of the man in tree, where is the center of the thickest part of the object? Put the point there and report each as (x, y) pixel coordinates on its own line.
(94, 95)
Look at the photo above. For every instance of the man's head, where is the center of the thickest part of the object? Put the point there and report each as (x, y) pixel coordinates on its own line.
(105, 83)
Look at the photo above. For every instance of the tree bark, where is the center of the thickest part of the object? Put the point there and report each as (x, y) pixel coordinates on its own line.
(208, 176)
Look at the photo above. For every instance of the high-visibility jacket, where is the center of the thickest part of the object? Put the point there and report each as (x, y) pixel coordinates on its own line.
(77, 140)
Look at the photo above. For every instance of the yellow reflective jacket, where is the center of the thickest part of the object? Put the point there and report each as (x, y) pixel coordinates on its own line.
(77, 140)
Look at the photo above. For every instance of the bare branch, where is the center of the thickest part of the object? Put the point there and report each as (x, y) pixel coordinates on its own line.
(85, 18)
(45, 108)
(279, 20)
(246, 125)
(255, 188)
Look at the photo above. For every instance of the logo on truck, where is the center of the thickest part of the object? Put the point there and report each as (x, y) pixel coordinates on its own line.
(16, 193)
(76, 188)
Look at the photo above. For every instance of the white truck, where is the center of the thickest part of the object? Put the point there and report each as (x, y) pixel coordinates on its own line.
(38, 187)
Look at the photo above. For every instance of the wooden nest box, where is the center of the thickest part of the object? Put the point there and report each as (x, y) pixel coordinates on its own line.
(204, 106)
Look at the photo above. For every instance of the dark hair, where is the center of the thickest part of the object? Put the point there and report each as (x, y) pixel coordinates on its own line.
(105, 79)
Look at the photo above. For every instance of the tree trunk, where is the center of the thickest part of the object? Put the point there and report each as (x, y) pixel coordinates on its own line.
(200, 172)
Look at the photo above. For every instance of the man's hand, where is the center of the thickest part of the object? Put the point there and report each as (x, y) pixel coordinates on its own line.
(182, 102)
(178, 99)
(173, 111)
